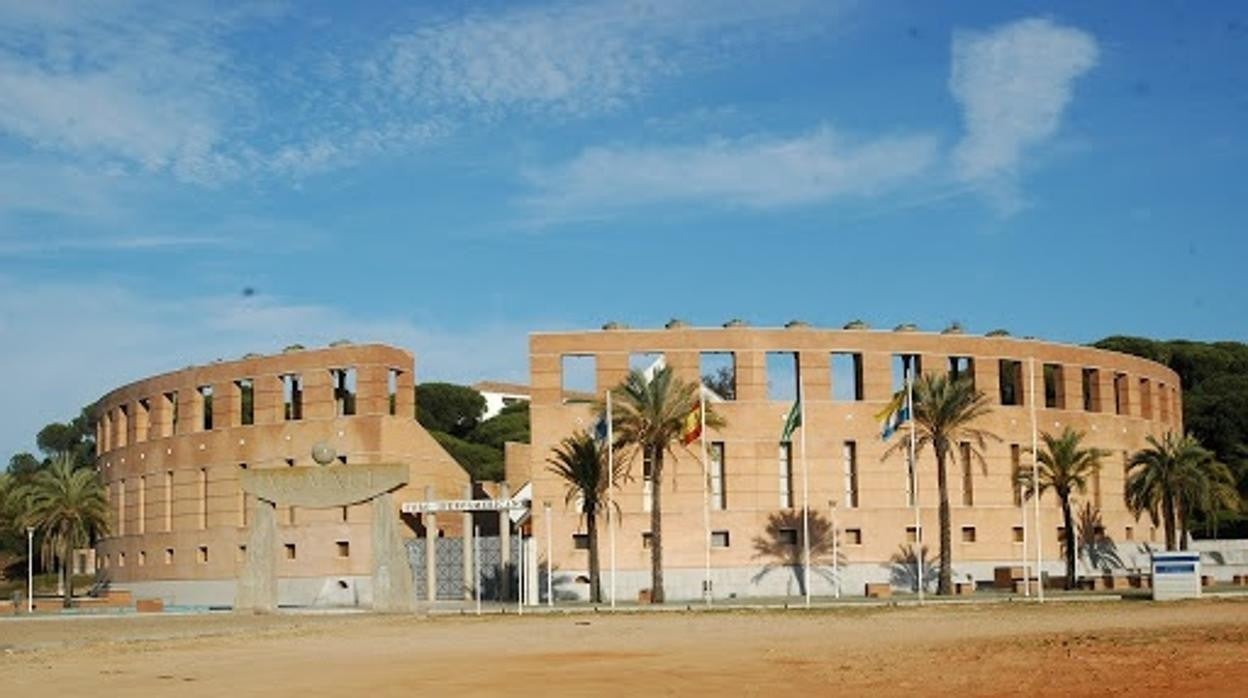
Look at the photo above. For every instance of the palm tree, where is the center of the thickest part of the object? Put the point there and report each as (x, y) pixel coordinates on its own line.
(582, 466)
(648, 415)
(1065, 467)
(1173, 478)
(945, 410)
(67, 506)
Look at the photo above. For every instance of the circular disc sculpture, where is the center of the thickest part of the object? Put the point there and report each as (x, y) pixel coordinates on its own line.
(323, 453)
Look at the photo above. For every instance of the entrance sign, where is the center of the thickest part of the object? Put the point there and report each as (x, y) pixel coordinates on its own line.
(443, 505)
(1176, 575)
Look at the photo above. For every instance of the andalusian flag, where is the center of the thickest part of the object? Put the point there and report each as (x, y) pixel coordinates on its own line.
(894, 414)
(792, 422)
(691, 427)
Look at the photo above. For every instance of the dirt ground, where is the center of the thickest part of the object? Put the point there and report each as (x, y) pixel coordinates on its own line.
(1102, 649)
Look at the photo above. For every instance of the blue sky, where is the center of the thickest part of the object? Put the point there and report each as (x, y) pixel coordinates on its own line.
(451, 176)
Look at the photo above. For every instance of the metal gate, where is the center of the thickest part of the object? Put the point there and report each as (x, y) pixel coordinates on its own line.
(449, 570)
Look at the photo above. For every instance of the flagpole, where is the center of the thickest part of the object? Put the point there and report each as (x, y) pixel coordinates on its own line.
(611, 513)
(914, 481)
(1035, 479)
(801, 407)
(706, 494)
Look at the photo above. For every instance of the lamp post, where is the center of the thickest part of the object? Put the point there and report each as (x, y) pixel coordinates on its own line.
(30, 569)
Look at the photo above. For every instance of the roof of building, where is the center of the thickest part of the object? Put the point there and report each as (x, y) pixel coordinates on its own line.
(501, 387)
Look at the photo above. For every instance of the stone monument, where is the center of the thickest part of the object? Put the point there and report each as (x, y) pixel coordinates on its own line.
(325, 485)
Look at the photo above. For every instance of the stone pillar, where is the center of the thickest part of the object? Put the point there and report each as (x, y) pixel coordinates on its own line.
(470, 579)
(431, 550)
(392, 575)
(257, 585)
(504, 540)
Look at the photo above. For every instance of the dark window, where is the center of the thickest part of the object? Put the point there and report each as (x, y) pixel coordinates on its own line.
(786, 536)
(846, 377)
(246, 401)
(1054, 387)
(1011, 373)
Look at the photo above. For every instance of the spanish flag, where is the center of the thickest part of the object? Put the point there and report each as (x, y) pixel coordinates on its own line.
(691, 428)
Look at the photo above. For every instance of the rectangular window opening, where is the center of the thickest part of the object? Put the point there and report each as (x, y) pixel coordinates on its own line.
(1011, 375)
(1091, 380)
(719, 539)
(246, 401)
(1129, 533)
(203, 555)
(719, 491)
(849, 454)
(847, 377)
(968, 534)
(853, 536)
(785, 463)
(168, 556)
(1121, 405)
(647, 540)
(903, 365)
(205, 396)
(343, 547)
(579, 377)
(1018, 534)
(292, 397)
(1054, 387)
(786, 536)
(913, 534)
(143, 421)
(1146, 399)
(392, 391)
(968, 474)
(962, 367)
(290, 551)
(1016, 466)
(142, 558)
(782, 376)
(345, 391)
(168, 500)
(171, 409)
(719, 373)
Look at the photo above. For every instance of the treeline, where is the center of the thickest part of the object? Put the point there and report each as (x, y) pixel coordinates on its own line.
(1214, 377)
(453, 415)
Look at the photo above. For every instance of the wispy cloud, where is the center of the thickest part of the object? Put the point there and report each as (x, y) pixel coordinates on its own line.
(754, 172)
(119, 327)
(1014, 84)
(573, 58)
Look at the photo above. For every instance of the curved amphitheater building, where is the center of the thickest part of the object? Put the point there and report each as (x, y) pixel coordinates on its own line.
(847, 377)
(185, 454)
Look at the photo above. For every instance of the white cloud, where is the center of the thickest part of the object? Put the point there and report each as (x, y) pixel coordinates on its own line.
(753, 172)
(67, 343)
(574, 57)
(1014, 84)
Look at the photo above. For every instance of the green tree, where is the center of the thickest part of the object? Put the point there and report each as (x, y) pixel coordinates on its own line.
(945, 412)
(448, 408)
(23, 466)
(74, 438)
(68, 509)
(481, 462)
(648, 417)
(510, 424)
(582, 466)
(1174, 478)
(1065, 467)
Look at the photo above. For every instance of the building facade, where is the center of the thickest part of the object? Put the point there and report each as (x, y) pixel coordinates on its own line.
(171, 450)
(868, 499)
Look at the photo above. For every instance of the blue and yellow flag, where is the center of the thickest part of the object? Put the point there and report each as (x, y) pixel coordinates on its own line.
(894, 414)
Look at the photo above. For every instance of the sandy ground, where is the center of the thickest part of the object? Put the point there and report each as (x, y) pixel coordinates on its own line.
(1103, 649)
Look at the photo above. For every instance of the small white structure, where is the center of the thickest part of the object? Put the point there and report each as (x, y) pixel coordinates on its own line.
(1176, 575)
(499, 395)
